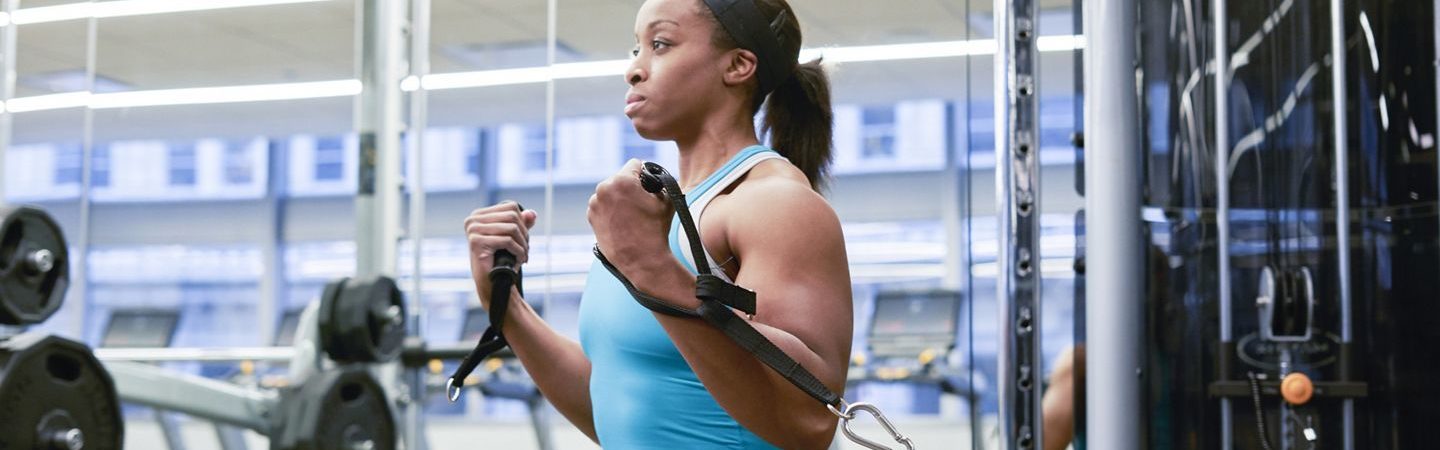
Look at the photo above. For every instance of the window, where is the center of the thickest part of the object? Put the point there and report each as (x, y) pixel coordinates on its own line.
(877, 132)
(535, 149)
(182, 164)
(100, 167)
(329, 158)
(67, 164)
(636, 147)
(239, 164)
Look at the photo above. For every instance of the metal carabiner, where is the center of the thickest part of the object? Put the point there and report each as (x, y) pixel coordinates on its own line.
(452, 391)
(846, 413)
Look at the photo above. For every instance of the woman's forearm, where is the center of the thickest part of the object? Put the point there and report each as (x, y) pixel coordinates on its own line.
(556, 363)
(757, 397)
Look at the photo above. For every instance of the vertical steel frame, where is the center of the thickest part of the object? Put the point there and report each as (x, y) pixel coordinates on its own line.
(378, 124)
(1115, 247)
(1017, 197)
(1221, 48)
(1342, 206)
(419, 57)
(7, 86)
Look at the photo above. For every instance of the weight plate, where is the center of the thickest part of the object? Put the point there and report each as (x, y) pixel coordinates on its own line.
(369, 321)
(382, 310)
(56, 395)
(340, 409)
(34, 266)
(387, 319)
(327, 327)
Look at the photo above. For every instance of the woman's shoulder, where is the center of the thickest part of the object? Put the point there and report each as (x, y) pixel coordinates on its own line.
(777, 188)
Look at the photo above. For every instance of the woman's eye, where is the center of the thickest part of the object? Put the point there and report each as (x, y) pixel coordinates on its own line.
(657, 44)
(635, 52)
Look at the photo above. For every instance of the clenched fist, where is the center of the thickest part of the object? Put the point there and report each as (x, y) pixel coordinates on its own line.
(631, 225)
(499, 227)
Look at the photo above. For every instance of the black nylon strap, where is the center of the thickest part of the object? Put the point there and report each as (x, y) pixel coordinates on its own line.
(503, 275)
(718, 297)
(645, 300)
(711, 287)
(751, 340)
(501, 278)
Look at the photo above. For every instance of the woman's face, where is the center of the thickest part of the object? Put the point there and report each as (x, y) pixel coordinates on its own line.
(676, 74)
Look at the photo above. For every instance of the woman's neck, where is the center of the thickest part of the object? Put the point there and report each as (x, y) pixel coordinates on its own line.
(714, 145)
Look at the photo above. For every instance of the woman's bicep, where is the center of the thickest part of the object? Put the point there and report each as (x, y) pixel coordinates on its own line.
(794, 259)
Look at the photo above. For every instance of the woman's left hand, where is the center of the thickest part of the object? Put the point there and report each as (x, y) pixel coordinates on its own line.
(631, 225)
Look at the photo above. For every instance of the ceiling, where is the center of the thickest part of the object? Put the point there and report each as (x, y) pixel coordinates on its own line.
(316, 42)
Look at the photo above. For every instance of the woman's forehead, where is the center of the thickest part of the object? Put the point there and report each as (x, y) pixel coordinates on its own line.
(656, 13)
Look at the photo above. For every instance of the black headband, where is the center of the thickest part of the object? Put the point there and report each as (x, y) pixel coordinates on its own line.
(748, 27)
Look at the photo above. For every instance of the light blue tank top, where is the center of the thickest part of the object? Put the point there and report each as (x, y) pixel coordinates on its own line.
(643, 393)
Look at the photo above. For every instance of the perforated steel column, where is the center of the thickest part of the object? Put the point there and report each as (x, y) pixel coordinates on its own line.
(1017, 197)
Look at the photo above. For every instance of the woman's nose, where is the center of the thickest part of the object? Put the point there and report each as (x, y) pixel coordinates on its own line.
(636, 74)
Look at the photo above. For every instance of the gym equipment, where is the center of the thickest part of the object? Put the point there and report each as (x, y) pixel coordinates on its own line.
(57, 396)
(330, 406)
(910, 324)
(362, 319)
(1018, 197)
(910, 338)
(34, 266)
(338, 409)
(139, 328)
(718, 297)
(1297, 279)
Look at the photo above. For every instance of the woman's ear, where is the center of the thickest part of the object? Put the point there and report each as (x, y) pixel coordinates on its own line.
(741, 67)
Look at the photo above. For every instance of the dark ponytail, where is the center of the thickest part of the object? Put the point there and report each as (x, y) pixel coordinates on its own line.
(798, 116)
(800, 122)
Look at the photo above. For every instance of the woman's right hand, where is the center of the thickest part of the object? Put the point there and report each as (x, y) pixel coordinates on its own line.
(500, 227)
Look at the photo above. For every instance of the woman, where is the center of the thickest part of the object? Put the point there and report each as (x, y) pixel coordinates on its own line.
(637, 379)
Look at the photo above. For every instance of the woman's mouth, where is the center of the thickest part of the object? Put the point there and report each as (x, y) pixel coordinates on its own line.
(633, 102)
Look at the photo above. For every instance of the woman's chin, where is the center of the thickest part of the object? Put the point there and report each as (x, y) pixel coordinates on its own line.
(645, 131)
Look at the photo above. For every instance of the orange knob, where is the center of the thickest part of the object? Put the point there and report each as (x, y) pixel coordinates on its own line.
(1297, 388)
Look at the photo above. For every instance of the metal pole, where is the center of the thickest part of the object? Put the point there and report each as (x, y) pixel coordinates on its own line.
(377, 117)
(1017, 197)
(1342, 205)
(7, 90)
(377, 198)
(80, 288)
(272, 281)
(1222, 205)
(1114, 252)
(419, 104)
(214, 400)
(550, 37)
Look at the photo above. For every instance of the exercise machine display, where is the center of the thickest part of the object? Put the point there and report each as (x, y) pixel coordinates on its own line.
(911, 337)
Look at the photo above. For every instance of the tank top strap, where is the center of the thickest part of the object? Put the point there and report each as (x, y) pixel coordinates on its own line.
(702, 196)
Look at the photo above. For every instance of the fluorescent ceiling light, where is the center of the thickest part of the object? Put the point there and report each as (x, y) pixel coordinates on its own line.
(51, 101)
(617, 67)
(923, 50)
(192, 96)
(1060, 43)
(122, 8)
(483, 78)
(227, 94)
